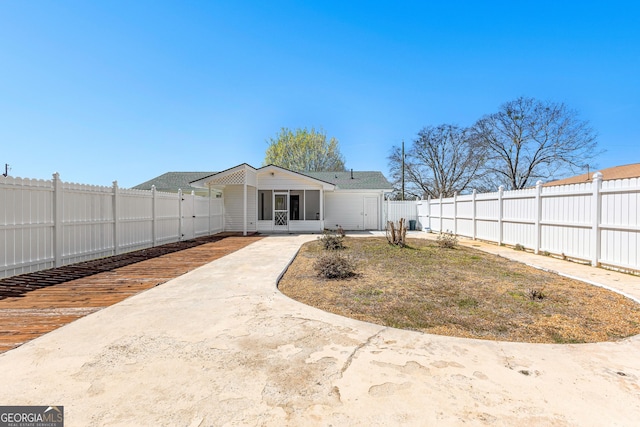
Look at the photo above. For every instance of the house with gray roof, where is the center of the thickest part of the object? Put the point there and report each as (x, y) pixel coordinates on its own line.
(274, 199)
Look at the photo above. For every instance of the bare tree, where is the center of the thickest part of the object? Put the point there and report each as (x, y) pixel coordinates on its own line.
(443, 160)
(528, 140)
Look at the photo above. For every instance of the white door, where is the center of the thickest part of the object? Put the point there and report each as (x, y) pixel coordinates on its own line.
(280, 211)
(371, 213)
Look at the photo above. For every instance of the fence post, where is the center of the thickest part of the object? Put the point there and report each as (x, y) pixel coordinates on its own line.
(500, 213)
(596, 217)
(538, 237)
(386, 218)
(209, 232)
(473, 214)
(440, 226)
(180, 199)
(455, 213)
(116, 220)
(429, 213)
(58, 210)
(154, 220)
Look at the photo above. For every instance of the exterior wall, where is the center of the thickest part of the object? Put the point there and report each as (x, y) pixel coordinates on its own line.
(305, 188)
(281, 180)
(234, 208)
(346, 208)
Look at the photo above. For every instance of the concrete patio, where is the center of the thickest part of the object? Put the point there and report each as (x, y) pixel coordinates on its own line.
(221, 346)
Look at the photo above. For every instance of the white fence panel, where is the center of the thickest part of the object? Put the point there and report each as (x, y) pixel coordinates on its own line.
(167, 217)
(45, 224)
(201, 211)
(87, 221)
(464, 215)
(566, 221)
(397, 209)
(26, 225)
(620, 223)
(597, 222)
(135, 219)
(216, 215)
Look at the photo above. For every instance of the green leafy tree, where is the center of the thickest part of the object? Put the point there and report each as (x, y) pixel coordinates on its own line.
(304, 150)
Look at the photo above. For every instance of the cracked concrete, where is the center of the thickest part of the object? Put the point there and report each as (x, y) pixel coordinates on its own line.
(221, 346)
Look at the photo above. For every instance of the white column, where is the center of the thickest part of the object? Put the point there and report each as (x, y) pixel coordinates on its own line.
(321, 209)
(244, 200)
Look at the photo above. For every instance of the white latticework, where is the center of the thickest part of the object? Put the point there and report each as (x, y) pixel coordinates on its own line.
(280, 218)
(230, 179)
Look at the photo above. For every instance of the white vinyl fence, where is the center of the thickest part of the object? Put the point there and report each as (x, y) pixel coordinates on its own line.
(597, 221)
(407, 209)
(45, 224)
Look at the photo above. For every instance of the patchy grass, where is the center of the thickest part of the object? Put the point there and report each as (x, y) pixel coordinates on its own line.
(460, 292)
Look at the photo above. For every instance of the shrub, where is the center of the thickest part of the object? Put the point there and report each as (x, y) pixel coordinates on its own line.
(518, 247)
(535, 294)
(334, 265)
(447, 240)
(332, 241)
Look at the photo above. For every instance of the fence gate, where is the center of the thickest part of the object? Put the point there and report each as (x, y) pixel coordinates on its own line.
(188, 216)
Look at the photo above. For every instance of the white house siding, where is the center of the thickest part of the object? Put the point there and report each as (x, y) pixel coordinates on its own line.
(347, 209)
(234, 208)
(285, 181)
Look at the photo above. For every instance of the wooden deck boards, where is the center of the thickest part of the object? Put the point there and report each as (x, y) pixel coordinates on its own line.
(40, 311)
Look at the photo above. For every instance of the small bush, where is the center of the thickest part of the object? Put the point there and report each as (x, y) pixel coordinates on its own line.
(447, 240)
(535, 294)
(332, 241)
(334, 265)
(518, 247)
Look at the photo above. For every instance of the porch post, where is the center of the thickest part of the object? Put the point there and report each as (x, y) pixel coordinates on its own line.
(321, 209)
(244, 202)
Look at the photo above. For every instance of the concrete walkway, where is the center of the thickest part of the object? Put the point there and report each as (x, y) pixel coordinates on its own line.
(222, 346)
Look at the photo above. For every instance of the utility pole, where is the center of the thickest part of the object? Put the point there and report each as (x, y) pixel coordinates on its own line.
(402, 195)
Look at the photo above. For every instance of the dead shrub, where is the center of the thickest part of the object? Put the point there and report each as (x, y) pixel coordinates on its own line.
(397, 234)
(447, 240)
(332, 241)
(333, 265)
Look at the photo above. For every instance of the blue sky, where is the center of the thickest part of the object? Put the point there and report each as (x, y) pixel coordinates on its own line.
(127, 90)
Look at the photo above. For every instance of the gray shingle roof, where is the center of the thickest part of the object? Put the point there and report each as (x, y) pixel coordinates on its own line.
(172, 181)
(362, 180)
